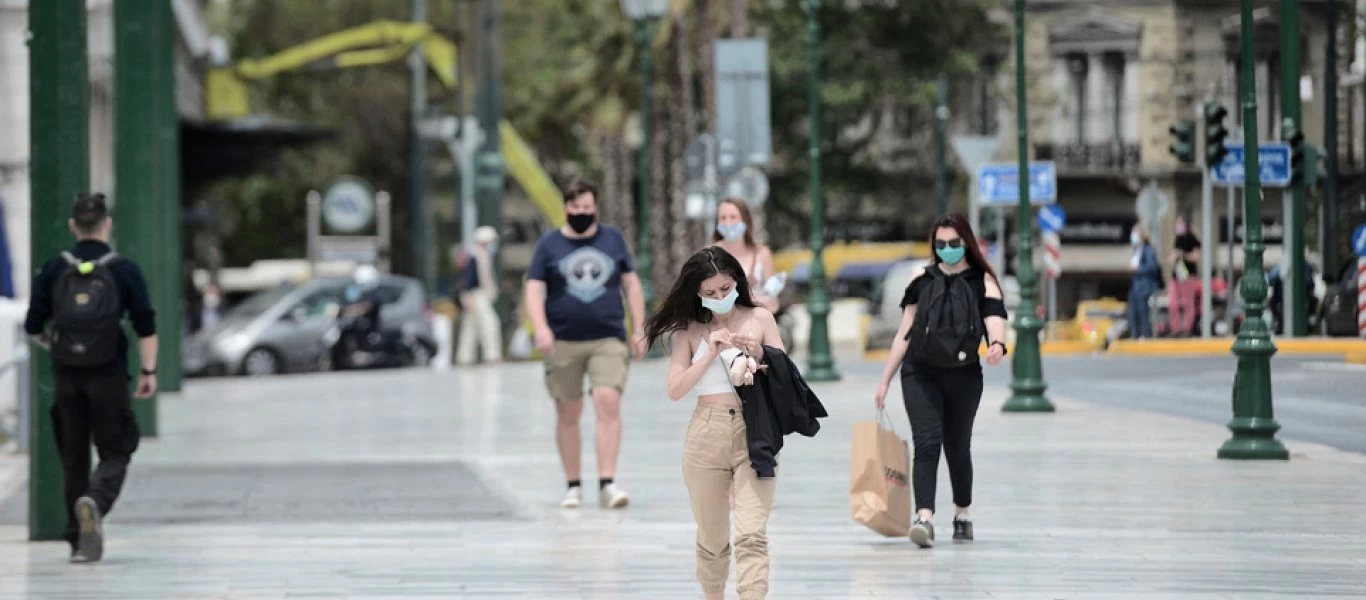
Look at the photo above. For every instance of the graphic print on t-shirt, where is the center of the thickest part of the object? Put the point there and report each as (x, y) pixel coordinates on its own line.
(586, 272)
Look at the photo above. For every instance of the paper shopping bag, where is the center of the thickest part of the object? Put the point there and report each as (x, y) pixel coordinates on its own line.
(879, 478)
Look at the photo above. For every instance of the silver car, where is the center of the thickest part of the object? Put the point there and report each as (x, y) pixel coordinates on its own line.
(280, 330)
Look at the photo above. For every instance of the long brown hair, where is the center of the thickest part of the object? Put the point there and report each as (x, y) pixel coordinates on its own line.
(745, 215)
(682, 307)
(959, 224)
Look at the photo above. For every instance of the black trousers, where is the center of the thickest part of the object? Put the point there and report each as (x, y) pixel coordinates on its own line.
(93, 405)
(942, 405)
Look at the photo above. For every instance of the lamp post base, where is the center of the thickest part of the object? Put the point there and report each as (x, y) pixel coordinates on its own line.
(1254, 438)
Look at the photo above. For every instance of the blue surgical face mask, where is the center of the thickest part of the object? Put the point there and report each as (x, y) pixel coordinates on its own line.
(950, 255)
(732, 231)
(723, 305)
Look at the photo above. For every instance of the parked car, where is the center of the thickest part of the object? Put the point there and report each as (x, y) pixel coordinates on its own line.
(279, 330)
(1093, 321)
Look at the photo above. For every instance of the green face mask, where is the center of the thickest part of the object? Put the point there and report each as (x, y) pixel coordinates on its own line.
(950, 255)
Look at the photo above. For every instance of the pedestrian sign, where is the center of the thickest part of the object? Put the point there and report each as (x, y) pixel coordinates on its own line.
(1052, 218)
(999, 184)
(1273, 162)
(1359, 240)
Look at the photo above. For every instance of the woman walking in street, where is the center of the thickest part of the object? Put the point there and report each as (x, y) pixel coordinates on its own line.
(1146, 280)
(735, 234)
(716, 325)
(949, 308)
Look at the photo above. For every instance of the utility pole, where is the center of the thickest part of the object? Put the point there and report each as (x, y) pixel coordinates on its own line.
(1253, 425)
(941, 121)
(59, 147)
(822, 363)
(489, 104)
(1328, 221)
(171, 290)
(1296, 323)
(1027, 383)
(145, 187)
(420, 212)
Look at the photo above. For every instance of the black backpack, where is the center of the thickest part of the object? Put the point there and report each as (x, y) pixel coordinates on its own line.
(87, 313)
(947, 329)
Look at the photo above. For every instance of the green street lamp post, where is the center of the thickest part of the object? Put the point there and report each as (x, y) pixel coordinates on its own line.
(59, 144)
(822, 363)
(1027, 385)
(644, 13)
(1254, 426)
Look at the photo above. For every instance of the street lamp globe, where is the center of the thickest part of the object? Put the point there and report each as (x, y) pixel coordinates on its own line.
(637, 10)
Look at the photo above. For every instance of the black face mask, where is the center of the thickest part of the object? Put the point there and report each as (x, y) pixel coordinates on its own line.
(581, 222)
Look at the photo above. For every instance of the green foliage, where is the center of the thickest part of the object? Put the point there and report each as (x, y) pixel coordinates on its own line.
(569, 78)
(874, 54)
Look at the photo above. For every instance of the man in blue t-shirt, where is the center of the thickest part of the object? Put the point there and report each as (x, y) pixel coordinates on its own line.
(574, 298)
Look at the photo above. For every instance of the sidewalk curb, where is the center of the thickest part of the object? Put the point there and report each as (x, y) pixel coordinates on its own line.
(1224, 347)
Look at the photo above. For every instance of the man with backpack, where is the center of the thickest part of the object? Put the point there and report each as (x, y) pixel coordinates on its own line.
(78, 303)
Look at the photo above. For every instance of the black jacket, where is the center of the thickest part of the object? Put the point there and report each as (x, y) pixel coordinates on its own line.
(777, 404)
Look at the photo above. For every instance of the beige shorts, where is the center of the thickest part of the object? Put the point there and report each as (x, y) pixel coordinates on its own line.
(605, 362)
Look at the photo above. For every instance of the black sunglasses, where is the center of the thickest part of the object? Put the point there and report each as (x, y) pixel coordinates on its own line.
(953, 243)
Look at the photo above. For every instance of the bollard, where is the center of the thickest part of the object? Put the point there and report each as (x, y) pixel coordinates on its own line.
(442, 330)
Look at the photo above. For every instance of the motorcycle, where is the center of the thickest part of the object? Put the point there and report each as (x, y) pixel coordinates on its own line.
(354, 342)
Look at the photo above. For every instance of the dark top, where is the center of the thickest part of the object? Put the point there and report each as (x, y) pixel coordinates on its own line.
(132, 289)
(1187, 241)
(987, 307)
(583, 283)
(780, 402)
(471, 277)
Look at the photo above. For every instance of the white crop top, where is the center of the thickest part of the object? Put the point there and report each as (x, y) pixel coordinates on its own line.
(716, 379)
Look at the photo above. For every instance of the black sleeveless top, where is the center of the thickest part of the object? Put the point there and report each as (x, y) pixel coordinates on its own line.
(987, 307)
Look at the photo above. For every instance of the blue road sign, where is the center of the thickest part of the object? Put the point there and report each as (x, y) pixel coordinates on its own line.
(1359, 240)
(1000, 184)
(1273, 161)
(1052, 218)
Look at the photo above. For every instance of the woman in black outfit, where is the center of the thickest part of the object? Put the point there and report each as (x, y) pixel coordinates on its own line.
(942, 390)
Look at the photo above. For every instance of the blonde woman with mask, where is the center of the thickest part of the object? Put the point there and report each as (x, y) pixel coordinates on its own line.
(735, 234)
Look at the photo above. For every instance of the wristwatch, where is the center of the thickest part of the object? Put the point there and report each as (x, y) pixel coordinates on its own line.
(1004, 350)
(147, 372)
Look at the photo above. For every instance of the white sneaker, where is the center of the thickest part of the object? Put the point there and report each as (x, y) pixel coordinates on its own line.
(572, 498)
(611, 496)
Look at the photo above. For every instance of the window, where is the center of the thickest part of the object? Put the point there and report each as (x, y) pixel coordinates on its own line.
(1095, 118)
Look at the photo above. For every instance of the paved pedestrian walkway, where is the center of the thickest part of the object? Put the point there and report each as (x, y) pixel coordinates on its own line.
(446, 485)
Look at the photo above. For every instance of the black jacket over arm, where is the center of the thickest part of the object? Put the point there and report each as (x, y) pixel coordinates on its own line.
(780, 402)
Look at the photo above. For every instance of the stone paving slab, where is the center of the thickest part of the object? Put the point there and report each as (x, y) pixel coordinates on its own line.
(1090, 502)
(313, 492)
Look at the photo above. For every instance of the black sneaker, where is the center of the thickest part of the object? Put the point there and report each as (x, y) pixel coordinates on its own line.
(90, 546)
(922, 533)
(962, 530)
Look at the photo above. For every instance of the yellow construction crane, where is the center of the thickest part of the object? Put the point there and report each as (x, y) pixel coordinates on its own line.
(372, 44)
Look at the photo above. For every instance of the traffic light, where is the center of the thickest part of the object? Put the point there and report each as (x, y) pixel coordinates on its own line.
(1183, 140)
(1316, 167)
(1293, 136)
(1215, 134)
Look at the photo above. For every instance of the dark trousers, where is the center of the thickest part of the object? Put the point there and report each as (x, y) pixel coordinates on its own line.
(93, 405)
(942, 405)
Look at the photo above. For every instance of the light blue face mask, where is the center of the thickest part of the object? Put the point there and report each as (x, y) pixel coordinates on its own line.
(951, 255)
(732, 231)
(723, 305)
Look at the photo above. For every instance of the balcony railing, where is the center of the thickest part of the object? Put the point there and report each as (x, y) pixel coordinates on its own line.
(1103, 156)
